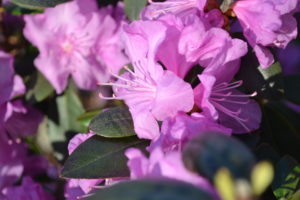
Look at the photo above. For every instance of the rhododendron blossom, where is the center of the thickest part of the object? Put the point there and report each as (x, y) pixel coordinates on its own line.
(276, 27)
(160, 165)
(148, 90)
(148, 99)
(177, 7)
(74, 48)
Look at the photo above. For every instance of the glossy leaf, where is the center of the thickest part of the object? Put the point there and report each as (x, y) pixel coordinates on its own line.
(287, 178)
(151, 190)
(86, 118)
(292, 88)
(113, 123)
(133, 8)
(100, 157)
(210, 152)
(37, 4)
(280, 128)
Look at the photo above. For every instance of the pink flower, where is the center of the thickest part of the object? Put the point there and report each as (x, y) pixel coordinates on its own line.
(11, 166)
(29, 190)
(201, 43)
(70, 47)
(178, 130)
(16, 119)
(176, 7)
(159, 165)
(150, 92)
(220, 99)
(267, 23)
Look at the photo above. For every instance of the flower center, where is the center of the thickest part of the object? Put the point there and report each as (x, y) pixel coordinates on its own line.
(67, 46)
(134, 84)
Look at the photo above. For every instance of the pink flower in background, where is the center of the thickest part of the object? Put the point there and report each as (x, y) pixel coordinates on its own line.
(176, 7)
(71, 47)
(17, 120)
(276, 27)
(29, 190)
(11, 166)
(109, 48)
(148, 90)
(6, 82)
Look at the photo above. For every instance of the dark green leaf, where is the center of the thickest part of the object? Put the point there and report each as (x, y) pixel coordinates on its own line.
(209, 152)
(37, 4)
(268, 83)
(292, 88)
(42, 88)
(287, 179)
(113, 123)
(133, 8)
(151, 190)
(87, 117)
(100, 157)
(280, 127)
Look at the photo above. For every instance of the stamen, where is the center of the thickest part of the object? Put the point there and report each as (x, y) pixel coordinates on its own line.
(84, 196)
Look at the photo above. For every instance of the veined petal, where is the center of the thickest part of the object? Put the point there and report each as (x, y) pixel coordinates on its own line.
(172, 95)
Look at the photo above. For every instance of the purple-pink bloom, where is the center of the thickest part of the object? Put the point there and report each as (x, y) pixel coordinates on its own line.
(150, 92)
(74, 47)
(160, 165)
(176, 7)
(267, 23)
(11, 166)
(29, 190)
(176, 131)
(6, 82)
(202, 44)
(219, 98)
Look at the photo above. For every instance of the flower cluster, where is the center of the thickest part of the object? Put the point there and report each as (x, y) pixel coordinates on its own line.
(16, 122)
(175, 68)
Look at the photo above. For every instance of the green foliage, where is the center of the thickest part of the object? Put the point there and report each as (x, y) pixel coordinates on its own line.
(280, 128)
(287, 180)
(210, 152)
(151, 190)
(61, 124)
(86, 118)
(42, 88)
(100, 157)
(37, 4)
(113, 123)
(292, 88)
(133, 8)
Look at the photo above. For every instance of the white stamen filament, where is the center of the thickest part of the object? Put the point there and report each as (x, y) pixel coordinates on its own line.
(174, 6)
(222, 93)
